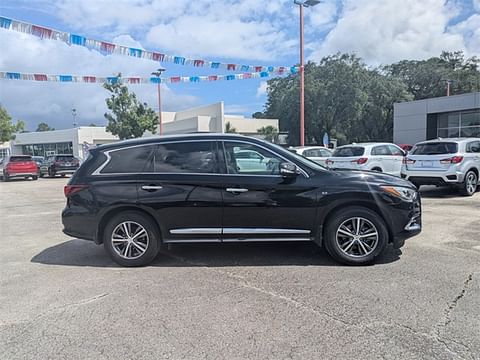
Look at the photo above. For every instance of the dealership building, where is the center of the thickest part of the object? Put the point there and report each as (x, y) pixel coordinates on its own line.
(77, 141)
(442, 117)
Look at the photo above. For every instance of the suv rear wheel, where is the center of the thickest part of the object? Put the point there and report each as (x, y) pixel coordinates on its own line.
(469, 185)
(131, 239)
(355, 236)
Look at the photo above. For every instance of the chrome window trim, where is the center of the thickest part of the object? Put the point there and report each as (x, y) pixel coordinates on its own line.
(98, 172)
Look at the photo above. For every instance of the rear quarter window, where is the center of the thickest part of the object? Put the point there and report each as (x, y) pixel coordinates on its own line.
(349, 151)
(439, 148)
(131, 160)
(20, 158)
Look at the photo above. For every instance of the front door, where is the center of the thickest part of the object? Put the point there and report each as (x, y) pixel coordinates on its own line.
(258, 203)
(184, 191)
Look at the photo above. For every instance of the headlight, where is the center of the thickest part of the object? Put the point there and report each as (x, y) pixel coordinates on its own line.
(401, 192)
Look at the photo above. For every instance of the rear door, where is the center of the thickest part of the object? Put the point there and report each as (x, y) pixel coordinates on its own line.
(473, 151)
(259, 204)
(183, 188)
(396, 156)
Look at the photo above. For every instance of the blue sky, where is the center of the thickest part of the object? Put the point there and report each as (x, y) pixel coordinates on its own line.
(238, 31)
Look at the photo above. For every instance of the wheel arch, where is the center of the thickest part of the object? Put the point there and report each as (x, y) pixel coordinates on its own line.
(119, 209)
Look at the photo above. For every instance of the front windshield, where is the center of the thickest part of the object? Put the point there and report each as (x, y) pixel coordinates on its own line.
(303, 160)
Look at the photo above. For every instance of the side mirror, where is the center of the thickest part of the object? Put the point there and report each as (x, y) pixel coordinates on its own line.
(288, 170)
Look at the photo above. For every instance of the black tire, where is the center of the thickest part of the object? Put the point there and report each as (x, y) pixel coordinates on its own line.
(342, 216)
(6, 178)
(63, 175)
(152, 245)
(51, 173)
(35, 177)
(377, 169)
(470, 184)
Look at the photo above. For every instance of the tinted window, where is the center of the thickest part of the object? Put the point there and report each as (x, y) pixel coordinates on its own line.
(395, 151)
(473, 147)
(325, 153)
(312, 153)
(267, 164)
(435, 148)
(187, 157)
(20, 158)
(129, 160)
(346, 151)
(381, 150)
(65, 158)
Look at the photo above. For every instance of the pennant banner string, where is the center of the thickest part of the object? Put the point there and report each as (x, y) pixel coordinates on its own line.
(110, 48)
(89, 79)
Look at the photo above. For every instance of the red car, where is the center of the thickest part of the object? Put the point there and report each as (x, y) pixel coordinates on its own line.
(406, 147)
(18, 166)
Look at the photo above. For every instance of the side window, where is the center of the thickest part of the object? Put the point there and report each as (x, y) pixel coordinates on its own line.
(473, 147)
(381, 150)
(186, 157)
(312, 153)
(130, 160)
(266, 164)
(325, 153)
(395, 151)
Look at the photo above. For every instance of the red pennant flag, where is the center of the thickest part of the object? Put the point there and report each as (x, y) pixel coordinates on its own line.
(157, 56)
(258, 68)
(198, 63)
(40, 77)
(89, 79)
(231, 66)
(212, 78)
(42, 32)
(247, 76)
(175, 79)
(134, 80)
(107, 47)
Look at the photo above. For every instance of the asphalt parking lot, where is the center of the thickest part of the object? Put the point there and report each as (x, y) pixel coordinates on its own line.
(63, 298)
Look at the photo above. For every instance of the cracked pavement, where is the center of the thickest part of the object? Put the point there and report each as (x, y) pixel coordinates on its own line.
(62, 298)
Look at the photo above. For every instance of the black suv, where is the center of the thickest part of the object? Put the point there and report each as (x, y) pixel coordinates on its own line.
(59, 165)
(136, 195)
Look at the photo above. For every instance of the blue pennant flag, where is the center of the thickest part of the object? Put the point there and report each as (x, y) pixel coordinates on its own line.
(135, 52)
(13, 76)
(194, 79)
(264, 74)
(270, 69)
(244, 68)
(65, 78)
(155, 80)
(230, 77)
(179, 60)
(77, 40)
(215, 65)
(293, 70)
(5, 23)
(112, 79)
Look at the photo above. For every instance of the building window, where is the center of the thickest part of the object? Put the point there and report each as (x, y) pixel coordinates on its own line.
(4, 152)
(48, 149)
(459, 124)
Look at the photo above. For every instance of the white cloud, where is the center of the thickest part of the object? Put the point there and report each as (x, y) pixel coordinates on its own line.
(262, 89)
(385, 31)
(476, 5)
(52, 102)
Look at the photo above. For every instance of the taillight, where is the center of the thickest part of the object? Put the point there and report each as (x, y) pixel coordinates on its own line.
(407, 161)
(329, 162)
(69, 190)
(452, 160)
(360, 161)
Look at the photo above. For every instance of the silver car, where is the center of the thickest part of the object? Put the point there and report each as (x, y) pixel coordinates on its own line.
(454, 161)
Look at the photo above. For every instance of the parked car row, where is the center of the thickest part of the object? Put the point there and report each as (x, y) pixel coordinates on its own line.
(26, 166)
(441, 162)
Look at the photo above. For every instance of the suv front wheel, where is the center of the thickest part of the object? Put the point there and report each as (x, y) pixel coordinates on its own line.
(131, 239)
(355, 236)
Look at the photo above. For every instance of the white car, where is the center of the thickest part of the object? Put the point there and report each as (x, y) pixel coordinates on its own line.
(381, 157)
(319, 154)
(453, 161)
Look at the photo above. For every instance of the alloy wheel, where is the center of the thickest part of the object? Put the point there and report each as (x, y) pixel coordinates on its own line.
(471, 183)
(357, 237)
(130, 240)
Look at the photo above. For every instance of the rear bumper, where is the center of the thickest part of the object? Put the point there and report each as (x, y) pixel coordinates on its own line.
(422, 177)
(78, 223)
(22, 174)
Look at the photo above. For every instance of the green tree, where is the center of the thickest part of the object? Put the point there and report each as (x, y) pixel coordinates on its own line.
(7, 127)
(229, 128)
(92, 124)
(427, 78)
(44, 127)
(269, 132)
(258, 115)
(129, 118)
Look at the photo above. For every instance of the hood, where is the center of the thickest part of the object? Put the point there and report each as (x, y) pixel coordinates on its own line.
(373, 177)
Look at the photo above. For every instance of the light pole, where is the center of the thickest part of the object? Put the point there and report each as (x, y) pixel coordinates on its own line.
(158, 74)
(302, 4)
(74, 115)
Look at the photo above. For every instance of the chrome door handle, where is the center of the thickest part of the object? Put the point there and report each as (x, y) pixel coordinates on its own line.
(151, 187)
(236, 190)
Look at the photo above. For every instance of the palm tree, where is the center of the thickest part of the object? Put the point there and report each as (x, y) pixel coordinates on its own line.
(269, 132)
(229, 128)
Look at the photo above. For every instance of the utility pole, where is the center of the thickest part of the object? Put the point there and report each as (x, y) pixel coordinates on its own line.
(158, 74)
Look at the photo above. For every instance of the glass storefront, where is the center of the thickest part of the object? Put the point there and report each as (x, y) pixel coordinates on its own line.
(459, 124)
(48, 149)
